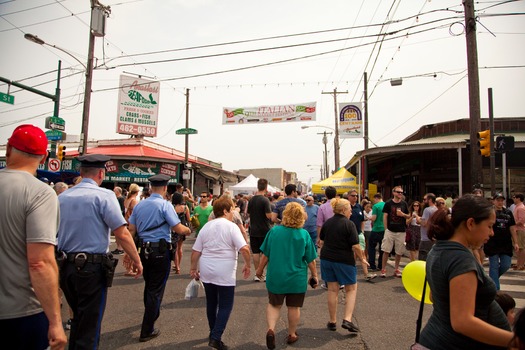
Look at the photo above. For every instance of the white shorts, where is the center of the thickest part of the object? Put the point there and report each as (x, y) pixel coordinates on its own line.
(394, 238)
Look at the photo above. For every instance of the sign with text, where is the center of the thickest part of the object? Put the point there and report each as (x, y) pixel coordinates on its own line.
(269, 114)
(7, 98)
(350, 120)
(138, 106)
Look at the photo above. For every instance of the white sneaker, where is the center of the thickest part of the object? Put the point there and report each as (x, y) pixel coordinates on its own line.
(256, 279)
(370, 276)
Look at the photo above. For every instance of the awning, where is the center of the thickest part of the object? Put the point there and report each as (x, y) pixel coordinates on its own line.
(209, 173)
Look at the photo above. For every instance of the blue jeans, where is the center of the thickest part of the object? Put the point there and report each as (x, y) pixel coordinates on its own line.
(498, 265)
(219, 305)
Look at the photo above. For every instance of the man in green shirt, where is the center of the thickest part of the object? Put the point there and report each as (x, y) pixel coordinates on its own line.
(202, 212)
(378, 231)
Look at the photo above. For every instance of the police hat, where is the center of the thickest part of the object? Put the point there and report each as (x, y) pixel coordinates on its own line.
(93, 161)
(159, 180)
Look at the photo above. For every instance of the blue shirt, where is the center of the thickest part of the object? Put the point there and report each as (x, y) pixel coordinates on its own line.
(310, 224)
(357, 216)
(150, 213)
(279, 206)
(88, 214)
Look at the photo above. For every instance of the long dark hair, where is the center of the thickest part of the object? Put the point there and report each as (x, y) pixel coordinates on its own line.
(442, 226)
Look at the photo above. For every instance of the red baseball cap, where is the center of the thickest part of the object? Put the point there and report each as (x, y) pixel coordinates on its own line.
(30, 139)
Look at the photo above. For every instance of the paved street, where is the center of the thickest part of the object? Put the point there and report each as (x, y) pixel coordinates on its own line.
(385, 313)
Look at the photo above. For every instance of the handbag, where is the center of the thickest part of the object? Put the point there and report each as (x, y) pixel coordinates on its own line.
(416, 345)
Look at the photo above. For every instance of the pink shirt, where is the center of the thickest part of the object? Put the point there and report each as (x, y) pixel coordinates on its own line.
(324, 213)
(519, 216)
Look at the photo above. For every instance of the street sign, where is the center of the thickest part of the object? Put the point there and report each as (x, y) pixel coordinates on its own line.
(55, 123)
(55, 135)
(186, 131)
(7, 98)
(53, 165)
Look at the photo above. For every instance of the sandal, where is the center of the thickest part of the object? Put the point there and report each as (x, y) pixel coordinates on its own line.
(292, 338)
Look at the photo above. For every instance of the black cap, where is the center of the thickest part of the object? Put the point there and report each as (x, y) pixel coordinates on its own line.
(498, 195)
(93, 161)
(159, 180)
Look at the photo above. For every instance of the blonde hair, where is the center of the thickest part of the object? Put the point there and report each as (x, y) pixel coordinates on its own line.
(293, 215)
(339, 205)
(133, 189)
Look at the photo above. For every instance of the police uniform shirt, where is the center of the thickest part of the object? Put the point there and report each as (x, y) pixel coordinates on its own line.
(88, 214)
(150, 213)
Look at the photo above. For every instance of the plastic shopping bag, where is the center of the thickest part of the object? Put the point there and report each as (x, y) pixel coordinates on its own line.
(192, 290)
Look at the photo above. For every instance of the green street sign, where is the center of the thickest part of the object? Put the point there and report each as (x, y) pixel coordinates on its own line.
(55, 123)
(55, 135)
(186, 131)
(7, 98)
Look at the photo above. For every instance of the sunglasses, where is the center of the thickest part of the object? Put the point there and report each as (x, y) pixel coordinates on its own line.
(400, 192)
(353, 195)
(440, 203)
(416, 205)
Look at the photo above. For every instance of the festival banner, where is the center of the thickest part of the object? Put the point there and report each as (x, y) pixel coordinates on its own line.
(269, 114)
(350, 120)
(138, 106)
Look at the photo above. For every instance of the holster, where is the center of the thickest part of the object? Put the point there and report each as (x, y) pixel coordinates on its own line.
(110, 265)
(163, 246)
(61, 259)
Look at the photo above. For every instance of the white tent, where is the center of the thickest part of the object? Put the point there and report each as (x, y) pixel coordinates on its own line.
(249, 185)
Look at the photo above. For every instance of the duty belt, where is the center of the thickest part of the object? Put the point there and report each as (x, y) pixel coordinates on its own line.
(153, 245)
(91, 258)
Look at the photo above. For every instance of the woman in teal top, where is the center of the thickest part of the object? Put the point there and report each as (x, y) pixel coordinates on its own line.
(289, 252)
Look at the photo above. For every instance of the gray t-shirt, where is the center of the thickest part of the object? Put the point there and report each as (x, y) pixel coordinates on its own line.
(446, 261)
(29, 214)
(427, 213)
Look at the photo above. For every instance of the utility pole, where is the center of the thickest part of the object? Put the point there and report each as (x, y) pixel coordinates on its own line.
(476, 166)
(364, 159)
(186, 137)
(325, 141)
(492, 152)
(95, 6)
(336, 137)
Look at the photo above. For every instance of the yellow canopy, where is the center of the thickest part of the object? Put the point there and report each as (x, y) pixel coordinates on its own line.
(342, 180)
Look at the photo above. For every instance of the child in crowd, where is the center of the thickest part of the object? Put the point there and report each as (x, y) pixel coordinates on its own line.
(507, 304)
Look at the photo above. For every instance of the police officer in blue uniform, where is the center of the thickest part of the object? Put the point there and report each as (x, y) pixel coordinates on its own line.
(88, 214)
(152, 220)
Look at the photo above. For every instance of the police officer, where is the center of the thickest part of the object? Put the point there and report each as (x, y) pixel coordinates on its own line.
(152, 219)
(88, 214)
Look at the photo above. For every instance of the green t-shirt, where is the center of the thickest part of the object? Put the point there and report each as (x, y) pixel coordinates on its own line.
(377, 210)
(202, 215)
(289, 251)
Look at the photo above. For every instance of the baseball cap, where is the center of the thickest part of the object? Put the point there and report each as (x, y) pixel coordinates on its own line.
(30, 139)
(498, 195)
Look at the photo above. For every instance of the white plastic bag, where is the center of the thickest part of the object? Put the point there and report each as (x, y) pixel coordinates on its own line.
(192, 290)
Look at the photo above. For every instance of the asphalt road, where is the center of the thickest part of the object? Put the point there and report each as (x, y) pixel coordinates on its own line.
(385, 313)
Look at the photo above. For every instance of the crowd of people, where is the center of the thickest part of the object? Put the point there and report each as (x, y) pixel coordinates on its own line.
(59, 241)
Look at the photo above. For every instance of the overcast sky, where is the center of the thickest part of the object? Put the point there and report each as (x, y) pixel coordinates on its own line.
(422, 38)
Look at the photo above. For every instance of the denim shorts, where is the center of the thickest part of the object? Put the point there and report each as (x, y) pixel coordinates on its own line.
(338, 272)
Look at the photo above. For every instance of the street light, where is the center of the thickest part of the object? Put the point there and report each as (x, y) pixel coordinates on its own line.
(336, 146)
(320, 166)
(37, 40)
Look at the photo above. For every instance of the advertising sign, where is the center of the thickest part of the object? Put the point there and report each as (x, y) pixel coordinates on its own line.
(269, 114)
(350, 120)
(138, 106)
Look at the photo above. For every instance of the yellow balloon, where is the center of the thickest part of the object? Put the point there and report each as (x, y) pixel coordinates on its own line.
(413, 278)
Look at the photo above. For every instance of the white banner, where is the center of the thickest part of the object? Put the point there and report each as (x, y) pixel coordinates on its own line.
(138, 106)
(350, 120)
(269, 114)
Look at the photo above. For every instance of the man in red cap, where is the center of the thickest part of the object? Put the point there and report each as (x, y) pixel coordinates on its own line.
(30, 307)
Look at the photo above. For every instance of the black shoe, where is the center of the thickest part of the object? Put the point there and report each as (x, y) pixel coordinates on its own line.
(117, 252)
(331, 326)
(217, 344)
(270, 339)
(150, 336)
(350, 326)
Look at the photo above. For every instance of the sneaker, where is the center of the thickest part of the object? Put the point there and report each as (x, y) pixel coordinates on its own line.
(117, 252)
(383, 273)
(67, 326)
(263, 279)
(397, 273)
(341, 287)
(323, 286)
(256, 279)
(370, 276)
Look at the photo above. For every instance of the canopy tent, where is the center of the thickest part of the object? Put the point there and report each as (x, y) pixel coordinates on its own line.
(249, 185)
(342, 180)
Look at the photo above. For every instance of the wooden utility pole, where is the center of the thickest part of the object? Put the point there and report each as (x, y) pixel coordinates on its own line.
(476, 167)
(186, 137)
(336, 129)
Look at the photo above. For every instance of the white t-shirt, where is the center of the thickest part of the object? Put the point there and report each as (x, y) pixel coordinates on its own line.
(368, 222)
(219, 242)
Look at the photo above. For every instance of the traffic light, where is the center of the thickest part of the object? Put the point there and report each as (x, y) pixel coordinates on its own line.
(484, 143)
(61, 153)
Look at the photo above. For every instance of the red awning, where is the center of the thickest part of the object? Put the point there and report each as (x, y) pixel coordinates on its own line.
(131, 151)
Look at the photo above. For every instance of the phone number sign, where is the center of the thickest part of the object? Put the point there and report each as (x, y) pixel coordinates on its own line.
(138, 106)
